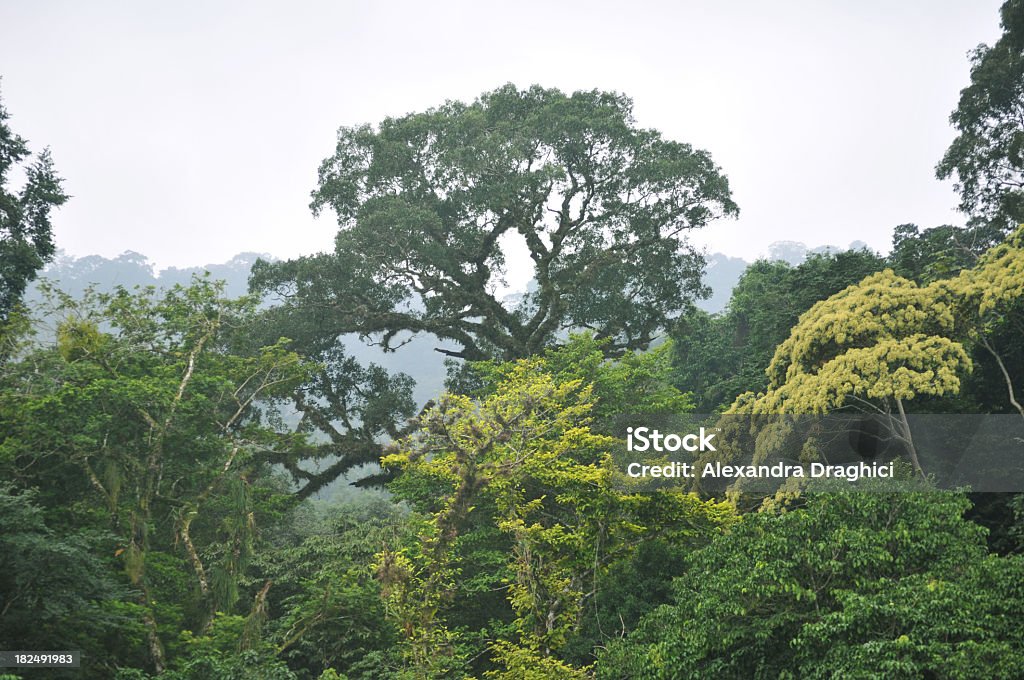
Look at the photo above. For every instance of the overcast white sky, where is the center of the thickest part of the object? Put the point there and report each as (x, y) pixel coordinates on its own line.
(191, 131)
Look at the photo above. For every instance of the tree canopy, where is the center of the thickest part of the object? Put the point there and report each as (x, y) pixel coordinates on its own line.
(140, 419)
(518, 494)
(426, 202)
(884, 337)
(853, 585)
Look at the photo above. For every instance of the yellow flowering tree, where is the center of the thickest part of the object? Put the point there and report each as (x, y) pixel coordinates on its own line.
(886, 340)
(874, 345)
(988, 300)
(525, 470)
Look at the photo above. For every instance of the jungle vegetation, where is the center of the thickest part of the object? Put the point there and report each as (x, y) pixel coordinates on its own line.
(167, 457)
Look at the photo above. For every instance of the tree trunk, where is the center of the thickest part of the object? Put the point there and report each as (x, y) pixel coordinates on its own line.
(1006, 374)
(156, 648)
(908, 439)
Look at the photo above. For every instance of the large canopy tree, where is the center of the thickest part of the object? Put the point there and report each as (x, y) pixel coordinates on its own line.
(887, 340)
(426, 202)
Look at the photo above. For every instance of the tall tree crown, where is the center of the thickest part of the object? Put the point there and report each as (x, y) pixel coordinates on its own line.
(425, 202)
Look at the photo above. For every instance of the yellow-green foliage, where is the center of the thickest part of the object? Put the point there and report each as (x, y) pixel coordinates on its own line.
(900, 368)
(524, 663)
(78, 339)
(996, 280)
(888, 337)
(525, 460)
(884, 337)
(532, 431)
(881, 307)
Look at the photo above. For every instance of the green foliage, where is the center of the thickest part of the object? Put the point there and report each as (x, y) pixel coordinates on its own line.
(954, 627)
(862, 584)
(219, 655)
(636, 382)
(55, 585)
(721, 356)
(331, 674)
(939, 252)
(330, 615)
(987, 156)
(152, 428)
(26, 234)
(525, 458)
(424, 202)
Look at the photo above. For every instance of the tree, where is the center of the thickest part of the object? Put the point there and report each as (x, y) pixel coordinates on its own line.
(425, 203)
(26, 238)
(987, 156)
(720, 356)
(986, 282)
(522, 456)
(988, 297)
(526, 460)
(331, 611)
(143, 420)
(352, 407)
(937, 253)
(878, 344)
(883, 341)
(854, 584)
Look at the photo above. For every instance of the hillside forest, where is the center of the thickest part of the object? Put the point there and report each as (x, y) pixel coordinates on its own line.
(198, 483)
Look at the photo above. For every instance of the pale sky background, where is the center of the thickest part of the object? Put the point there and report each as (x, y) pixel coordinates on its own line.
(192, 131)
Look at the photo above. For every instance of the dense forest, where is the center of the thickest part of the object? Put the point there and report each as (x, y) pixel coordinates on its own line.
(166, 452)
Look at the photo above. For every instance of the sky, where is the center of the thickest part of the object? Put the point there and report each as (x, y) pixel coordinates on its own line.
(192, 131)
